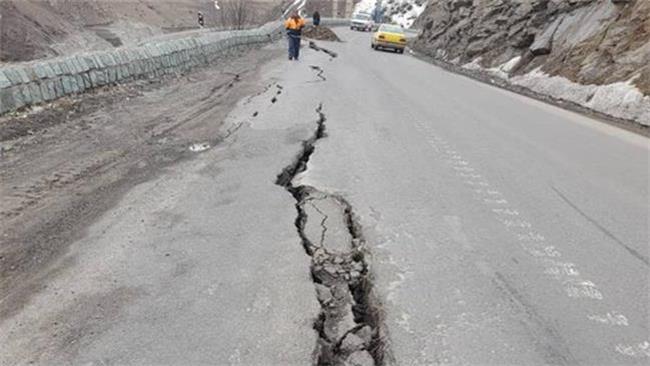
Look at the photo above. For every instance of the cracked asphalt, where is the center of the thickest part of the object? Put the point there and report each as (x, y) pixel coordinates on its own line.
(495, 230)
(503, 230)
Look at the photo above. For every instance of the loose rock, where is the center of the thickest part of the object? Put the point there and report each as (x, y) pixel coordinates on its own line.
(320, 33)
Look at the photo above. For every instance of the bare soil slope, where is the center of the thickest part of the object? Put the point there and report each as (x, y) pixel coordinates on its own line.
(31, 29)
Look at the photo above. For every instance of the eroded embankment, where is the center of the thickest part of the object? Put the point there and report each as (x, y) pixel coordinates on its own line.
(349, 326)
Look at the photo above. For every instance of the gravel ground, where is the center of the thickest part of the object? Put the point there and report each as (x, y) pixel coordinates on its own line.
(64, 164)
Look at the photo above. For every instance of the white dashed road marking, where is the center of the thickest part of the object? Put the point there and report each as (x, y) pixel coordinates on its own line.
(566, 273)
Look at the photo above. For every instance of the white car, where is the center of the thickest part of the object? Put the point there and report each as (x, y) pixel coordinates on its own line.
(362, 22)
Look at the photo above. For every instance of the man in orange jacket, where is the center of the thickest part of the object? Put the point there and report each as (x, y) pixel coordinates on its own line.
(294, 26)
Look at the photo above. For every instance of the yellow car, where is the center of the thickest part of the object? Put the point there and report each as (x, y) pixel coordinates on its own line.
(389, 36)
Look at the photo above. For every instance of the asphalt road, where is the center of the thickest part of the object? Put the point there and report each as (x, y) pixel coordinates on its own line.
(500, 230)
(505, 231)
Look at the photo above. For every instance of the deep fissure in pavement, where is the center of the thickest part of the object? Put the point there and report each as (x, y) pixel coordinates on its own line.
(349, 326)
(316, 47)
(320, 72)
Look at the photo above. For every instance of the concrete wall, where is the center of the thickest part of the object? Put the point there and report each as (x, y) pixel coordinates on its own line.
(46, 80)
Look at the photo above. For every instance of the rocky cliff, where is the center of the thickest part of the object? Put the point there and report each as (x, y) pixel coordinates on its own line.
(570, 42)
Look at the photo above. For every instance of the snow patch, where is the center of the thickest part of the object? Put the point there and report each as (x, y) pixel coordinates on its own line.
(621, 99)
(508, 66)
(365, 6)
(407, 18)
(503, 70)
(199, 147)
(474, 65)
(402, 12)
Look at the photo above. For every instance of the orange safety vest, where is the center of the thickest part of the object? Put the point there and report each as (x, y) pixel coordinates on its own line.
(294, 25)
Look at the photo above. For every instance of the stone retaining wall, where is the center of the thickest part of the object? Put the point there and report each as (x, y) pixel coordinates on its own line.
(46, 80)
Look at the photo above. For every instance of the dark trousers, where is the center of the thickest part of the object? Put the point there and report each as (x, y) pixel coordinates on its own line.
(294, 46)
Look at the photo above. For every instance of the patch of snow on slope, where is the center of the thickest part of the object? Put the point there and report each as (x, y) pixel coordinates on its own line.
(407, 17)
(621, 99)
(365, 6)
(402, 12)
(474, 65)
(503, 70)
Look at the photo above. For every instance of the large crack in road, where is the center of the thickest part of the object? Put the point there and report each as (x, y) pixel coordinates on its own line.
(316, 47)
(319, 74)
(349, 327)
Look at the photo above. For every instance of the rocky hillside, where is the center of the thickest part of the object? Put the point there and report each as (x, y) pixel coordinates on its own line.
(587, 42)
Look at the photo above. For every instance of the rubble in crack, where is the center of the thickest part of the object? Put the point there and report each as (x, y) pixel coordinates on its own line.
(349, 327)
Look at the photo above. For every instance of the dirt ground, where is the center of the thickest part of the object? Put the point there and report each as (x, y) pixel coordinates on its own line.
(63, 165)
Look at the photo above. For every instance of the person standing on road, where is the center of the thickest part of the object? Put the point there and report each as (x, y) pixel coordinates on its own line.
(316, 18)
(201, 20)
(294, 26)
